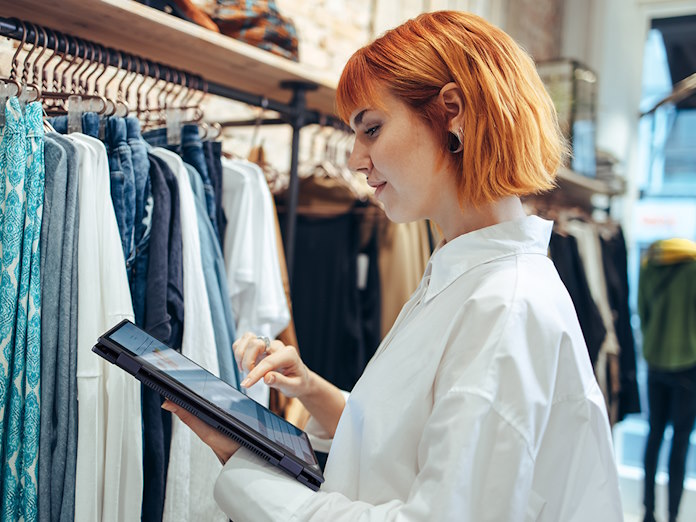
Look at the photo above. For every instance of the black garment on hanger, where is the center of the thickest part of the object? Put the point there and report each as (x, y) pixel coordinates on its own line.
(326, 302)
(565, 255)
(164, 309)
(371, 301)
(614, 260)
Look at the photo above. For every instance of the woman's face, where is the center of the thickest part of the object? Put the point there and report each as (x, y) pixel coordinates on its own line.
(399, 155)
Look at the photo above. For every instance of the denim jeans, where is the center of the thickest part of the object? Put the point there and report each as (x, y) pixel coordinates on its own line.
(122, 182)
(671, 398)
(191, 151)
(216, 285)
(137, 275)
(213, 158)
(90, 124)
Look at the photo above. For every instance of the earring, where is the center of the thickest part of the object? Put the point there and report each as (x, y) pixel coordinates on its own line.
(456, 148)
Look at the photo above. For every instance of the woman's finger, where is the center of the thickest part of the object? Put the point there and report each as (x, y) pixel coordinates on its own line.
(287, 385)
(223, 446)
(254, 350)
(240, 345)
(279, 359)
(275, 346)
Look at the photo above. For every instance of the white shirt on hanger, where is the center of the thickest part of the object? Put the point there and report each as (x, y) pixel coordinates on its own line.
(192, 465)
(251, 256)
(479, 405)
(109, 477)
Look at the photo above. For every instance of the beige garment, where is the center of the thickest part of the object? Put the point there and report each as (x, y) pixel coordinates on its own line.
(323, 195)
(404, 250)
(607, 364)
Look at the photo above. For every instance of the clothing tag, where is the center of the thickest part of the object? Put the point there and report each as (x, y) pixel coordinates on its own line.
(363, 266)
(23, 98)
(4, 95)
(173, 117)
(75, 110)
(102, 128)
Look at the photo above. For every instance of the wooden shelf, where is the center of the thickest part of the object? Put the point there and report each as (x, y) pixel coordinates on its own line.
(572, 181)
(577, 190)
(140, 30)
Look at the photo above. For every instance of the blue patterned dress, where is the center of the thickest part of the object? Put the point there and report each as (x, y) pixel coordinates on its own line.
(22, 164)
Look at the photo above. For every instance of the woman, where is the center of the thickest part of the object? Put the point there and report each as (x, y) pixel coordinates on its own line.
(481, 403)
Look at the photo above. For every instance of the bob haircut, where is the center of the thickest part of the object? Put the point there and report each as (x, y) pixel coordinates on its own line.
(512, 144)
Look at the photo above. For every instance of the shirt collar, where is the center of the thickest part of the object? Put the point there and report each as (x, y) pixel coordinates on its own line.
(529, 235)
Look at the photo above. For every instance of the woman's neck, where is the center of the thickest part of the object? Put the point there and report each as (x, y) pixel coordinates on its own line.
(486, 215)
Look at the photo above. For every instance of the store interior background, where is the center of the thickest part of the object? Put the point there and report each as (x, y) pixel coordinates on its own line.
(656, 155)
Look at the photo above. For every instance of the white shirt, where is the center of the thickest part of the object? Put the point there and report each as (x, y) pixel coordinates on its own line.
(109, 476)
(479, 405)
(193, 467)
(251, 256)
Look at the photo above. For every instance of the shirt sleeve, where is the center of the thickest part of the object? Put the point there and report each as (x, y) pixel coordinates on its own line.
(470, 458)
(320, 438)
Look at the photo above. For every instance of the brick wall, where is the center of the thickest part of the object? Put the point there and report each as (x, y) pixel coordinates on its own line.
(537, 25)
(329, 31)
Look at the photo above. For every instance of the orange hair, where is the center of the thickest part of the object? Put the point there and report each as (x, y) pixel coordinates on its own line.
(512, 144)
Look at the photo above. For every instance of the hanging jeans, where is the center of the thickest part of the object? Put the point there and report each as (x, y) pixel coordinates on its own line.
(671, 398)
(90, 124)
(122, 181)
(21, 197)
(191, 151)
(213, 159)
(137, 273)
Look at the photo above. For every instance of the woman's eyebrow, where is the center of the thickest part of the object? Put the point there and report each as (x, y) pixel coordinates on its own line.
(358, 119)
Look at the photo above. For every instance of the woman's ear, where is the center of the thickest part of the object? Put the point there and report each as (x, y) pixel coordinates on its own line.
(452, 100)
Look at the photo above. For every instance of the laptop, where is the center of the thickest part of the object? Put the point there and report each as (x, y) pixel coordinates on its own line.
(211, 399)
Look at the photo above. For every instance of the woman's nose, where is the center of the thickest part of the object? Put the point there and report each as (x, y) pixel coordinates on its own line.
(359, 159)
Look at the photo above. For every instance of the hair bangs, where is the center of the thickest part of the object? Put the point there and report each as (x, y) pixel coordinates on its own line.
(357, 87)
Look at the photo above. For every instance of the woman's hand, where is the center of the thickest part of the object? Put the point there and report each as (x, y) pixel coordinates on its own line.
(223, 446)
(279, 365)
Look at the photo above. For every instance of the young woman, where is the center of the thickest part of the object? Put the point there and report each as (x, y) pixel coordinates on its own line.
(481, 403)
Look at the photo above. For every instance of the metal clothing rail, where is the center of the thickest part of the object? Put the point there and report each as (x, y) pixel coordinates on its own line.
(294, 113)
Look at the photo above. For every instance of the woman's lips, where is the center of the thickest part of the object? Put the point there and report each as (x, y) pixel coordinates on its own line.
(378, 187)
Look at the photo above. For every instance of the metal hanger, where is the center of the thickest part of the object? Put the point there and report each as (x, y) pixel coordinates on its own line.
(10, 85)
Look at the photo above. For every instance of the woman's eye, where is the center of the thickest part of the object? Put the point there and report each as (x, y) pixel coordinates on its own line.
(372, 130)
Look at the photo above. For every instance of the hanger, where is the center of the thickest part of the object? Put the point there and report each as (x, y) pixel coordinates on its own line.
(66, 84)
(121, 105)
(138, 91)
(145, 114)
(127, 89)
(202, 88)
(44, 67)
(10, 85)
(29, 91)
(103, 91)
(98, 53)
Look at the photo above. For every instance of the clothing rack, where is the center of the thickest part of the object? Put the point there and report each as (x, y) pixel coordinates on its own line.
(295, 112)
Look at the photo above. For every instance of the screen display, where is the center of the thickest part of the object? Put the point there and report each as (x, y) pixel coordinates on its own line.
(214, 390)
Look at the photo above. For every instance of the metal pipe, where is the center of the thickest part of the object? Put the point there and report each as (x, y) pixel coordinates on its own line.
(253, 123)
(299, 101)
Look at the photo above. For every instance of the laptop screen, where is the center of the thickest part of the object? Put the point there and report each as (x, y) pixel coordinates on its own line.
(214, 390)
